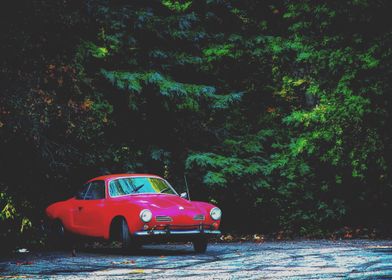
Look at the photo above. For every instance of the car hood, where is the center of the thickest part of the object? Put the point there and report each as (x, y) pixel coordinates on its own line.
(163, 201)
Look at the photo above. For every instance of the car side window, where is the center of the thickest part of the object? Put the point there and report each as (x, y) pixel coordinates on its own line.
(96, 190)
(81, 193)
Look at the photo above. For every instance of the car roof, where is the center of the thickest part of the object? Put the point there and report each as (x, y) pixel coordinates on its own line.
(114, 176)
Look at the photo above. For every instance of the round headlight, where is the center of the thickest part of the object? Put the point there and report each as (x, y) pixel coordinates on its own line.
(215, 213)
(145, 215)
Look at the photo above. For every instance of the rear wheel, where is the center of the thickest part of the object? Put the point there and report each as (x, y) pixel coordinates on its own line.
(58, 237)
(200, 245)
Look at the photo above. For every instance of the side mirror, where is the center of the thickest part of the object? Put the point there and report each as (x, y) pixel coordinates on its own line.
(184, 195)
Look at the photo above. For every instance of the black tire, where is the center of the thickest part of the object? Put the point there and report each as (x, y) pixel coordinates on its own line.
(128, 243)
(125, 236)
(200, 245)
(57, 236)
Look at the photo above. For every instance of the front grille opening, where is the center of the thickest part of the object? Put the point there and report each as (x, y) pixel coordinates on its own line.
(163, 219)
(184, 227)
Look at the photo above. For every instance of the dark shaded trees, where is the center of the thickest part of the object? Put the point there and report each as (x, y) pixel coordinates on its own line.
(277, 110)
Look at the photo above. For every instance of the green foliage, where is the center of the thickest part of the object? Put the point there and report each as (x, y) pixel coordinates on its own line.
(216, 52)
(12, 222)
(185, 96)
(95, 51)
(8, 209)
(176, 5)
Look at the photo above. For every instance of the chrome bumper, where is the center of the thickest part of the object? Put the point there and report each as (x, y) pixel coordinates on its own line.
(176, 232)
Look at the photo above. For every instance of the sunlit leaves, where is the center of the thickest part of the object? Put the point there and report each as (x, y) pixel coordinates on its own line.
(218, 51)
(95, 51)
(178, 6)
(9, 214)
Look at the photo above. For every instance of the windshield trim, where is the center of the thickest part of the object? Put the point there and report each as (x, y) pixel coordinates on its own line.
(123, 177)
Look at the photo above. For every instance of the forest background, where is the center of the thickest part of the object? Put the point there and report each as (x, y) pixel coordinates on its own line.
(277, 111)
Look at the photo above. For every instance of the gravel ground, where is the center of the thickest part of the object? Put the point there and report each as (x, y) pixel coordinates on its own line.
(353, 259)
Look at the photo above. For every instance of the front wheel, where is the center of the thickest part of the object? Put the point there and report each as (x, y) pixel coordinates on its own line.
(128, 243)
(200, 245)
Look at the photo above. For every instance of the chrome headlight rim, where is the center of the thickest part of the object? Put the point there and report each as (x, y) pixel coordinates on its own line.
(216, 213)
(145, 215)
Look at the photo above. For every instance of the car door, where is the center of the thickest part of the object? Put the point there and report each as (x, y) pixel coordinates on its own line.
(89, 210)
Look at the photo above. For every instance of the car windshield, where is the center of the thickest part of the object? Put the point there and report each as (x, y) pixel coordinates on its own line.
(132, 185)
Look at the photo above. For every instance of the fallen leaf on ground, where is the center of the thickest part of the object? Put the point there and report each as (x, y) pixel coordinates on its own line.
(136, 271)
(24, 263)
(227, 237)
(258, 238)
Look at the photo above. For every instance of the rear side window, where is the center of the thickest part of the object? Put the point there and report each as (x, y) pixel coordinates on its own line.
(81, 193)
(96, 190)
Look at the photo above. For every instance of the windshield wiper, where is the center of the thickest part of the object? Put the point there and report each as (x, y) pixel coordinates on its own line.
(165, 189)
(138, 188)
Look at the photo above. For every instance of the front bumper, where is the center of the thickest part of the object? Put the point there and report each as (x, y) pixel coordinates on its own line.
(175, 233)
(169, 232)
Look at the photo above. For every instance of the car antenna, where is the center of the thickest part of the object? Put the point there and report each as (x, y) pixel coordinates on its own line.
(186, 186)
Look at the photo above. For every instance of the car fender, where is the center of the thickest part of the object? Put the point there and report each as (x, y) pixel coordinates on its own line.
(60, 211)
(129, 212)
(206, 208)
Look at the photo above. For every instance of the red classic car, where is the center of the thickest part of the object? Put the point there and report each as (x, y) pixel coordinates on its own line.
(135, 209)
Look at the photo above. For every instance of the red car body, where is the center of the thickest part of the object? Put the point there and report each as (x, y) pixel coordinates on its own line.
(172, 215)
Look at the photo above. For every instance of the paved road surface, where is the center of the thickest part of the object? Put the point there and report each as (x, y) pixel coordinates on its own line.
(355, 259)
